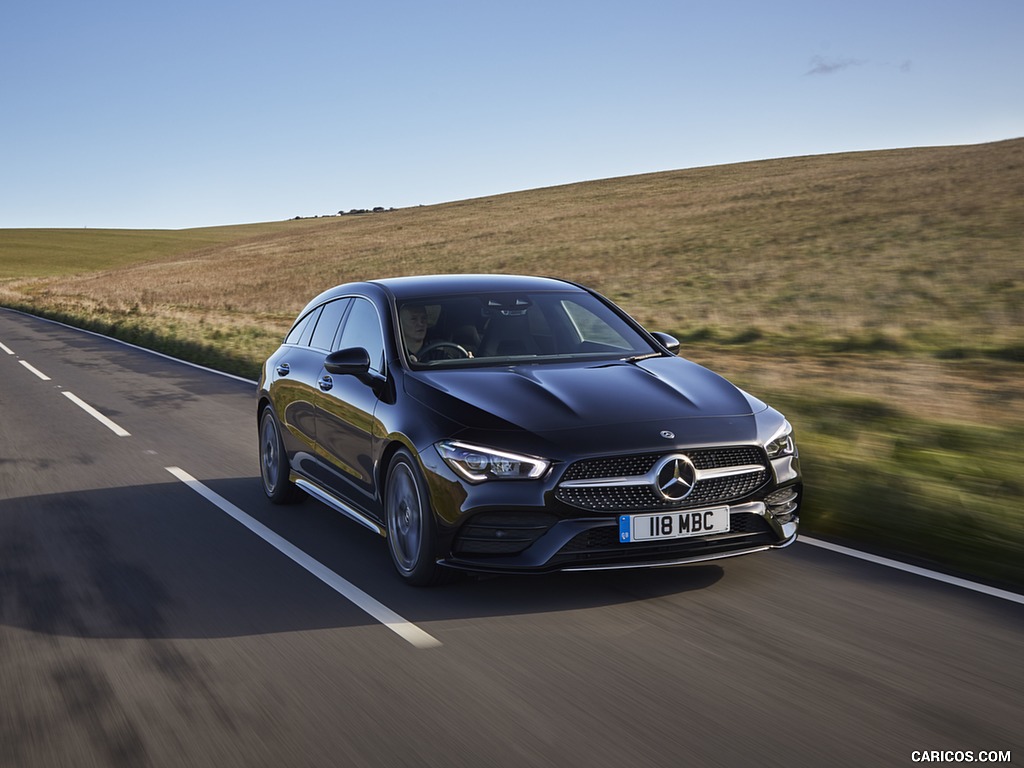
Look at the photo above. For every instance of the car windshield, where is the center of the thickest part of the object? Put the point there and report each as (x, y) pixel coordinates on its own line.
(461, 330)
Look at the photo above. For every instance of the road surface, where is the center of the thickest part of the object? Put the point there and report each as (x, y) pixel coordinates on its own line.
(156, 610)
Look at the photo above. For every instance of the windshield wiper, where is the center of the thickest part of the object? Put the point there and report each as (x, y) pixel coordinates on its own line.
(638, 358)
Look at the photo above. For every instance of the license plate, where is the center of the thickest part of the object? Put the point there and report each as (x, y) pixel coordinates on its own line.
(673, 525)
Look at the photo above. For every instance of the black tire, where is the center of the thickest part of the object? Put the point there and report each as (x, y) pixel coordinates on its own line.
(411, 530)
(274, 467)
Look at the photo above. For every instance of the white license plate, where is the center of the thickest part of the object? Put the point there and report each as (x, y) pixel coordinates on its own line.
(673, 525)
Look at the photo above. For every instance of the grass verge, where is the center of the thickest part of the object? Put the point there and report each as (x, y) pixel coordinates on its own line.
(943, 494)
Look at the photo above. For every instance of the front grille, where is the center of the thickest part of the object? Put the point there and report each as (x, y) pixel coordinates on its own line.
(639, 464)
(642, 496)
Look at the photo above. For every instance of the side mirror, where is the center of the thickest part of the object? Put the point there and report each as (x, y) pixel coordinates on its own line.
(671, 343)
(348, 362)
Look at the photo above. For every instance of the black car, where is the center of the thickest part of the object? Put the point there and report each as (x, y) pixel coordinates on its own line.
(518, 424)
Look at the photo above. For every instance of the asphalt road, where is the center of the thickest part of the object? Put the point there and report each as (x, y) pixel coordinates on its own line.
(140, 624)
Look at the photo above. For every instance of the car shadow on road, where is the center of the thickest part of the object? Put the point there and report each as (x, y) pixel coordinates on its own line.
(159, 561)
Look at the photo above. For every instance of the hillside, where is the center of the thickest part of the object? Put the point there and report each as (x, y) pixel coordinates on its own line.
(910, 248)
(878, 297)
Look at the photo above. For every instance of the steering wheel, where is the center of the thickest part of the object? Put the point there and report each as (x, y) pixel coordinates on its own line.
(457, 351)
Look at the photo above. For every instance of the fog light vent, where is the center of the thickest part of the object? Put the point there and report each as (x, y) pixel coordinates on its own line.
(497, 533)
(783, 503)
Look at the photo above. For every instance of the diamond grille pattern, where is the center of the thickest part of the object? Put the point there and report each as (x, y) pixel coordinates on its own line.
(632, 498)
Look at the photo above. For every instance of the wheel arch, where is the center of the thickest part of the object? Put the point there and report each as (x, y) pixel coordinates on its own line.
(393, 444)
(262, 402)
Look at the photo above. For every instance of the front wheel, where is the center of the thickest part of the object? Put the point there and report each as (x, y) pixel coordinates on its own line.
(410, 524)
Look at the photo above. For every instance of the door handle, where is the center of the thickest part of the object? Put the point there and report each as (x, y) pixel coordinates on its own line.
(326, 383)
(284, 369)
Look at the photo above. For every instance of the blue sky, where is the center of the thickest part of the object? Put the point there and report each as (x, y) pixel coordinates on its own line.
(197, 113)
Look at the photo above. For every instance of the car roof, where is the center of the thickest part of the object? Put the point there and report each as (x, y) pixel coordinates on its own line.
(424, 285)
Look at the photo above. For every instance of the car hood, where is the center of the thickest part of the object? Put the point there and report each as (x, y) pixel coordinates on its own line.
(548, 398)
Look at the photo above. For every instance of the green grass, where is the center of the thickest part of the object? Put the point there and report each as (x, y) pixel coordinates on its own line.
(946, 494)
(27, 253)
(877, 298)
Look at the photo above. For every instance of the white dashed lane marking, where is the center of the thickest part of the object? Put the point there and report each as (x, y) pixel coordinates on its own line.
(113, 427)
(35, 370)
(117, 430)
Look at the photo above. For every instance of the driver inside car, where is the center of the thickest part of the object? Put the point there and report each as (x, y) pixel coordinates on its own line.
(413, 319)
(415, 323)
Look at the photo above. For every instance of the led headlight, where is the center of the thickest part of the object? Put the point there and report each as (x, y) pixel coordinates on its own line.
(477, 464)
(782, 444)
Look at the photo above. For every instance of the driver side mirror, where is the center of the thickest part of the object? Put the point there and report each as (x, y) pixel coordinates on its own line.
(348, 362)
(671, 343)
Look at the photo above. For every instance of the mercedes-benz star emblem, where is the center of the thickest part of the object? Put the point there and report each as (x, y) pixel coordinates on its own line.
(675, 477)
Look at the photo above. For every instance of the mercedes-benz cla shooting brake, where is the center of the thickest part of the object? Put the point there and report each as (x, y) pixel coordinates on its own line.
(518, 424)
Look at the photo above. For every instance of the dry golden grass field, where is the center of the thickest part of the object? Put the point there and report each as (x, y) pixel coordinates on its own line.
(876, 297)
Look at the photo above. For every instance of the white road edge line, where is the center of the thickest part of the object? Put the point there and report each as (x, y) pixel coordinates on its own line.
(1002, 594)
(6, 349)
(405, 629)
(117, 430)
(130, 345)
(35, 370)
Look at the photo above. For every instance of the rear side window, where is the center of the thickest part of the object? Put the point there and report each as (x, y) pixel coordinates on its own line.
(327, 325)
(301, 333)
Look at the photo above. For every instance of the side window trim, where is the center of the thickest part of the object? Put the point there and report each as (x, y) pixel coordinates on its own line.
(304, 327)
(336, 341)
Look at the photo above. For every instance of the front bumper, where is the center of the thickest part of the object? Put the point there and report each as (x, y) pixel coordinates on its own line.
(592, 543)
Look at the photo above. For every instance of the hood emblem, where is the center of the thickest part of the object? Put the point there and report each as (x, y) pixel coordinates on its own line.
(668, 435)
(674, 477)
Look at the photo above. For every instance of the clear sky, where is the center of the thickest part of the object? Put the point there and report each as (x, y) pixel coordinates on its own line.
(143, 114)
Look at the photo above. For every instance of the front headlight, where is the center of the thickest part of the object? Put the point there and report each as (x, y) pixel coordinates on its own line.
(477, 464)
(782, 444)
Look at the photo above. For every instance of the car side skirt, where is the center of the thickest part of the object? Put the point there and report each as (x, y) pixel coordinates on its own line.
(335, 503)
